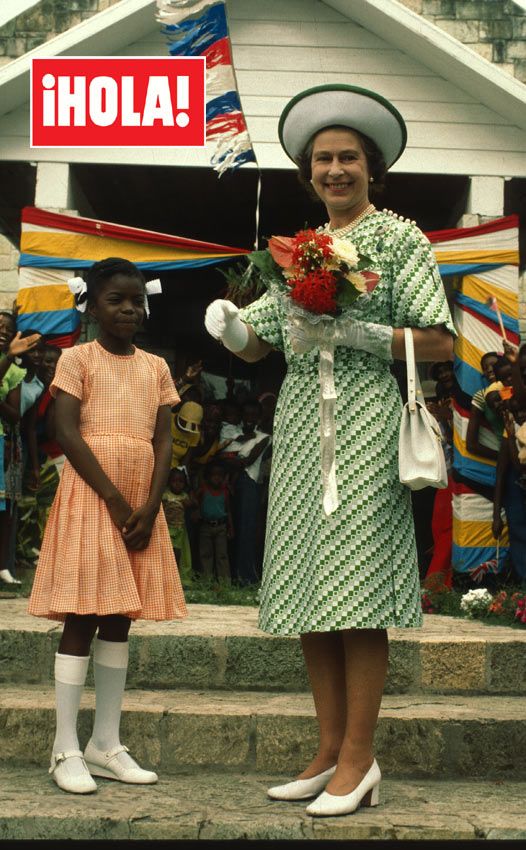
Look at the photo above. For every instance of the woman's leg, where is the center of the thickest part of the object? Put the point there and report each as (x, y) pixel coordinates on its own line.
(366, 657)
(325, 661)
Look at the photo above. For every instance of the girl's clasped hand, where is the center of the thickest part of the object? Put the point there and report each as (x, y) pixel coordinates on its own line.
(135, 526)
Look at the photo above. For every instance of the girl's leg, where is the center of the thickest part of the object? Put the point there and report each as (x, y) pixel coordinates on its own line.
(104, 754)
(110, 666)
(325, 661)
(71, 665)
(366, 657)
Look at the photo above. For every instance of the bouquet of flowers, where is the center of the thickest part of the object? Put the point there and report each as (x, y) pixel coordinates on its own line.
(323, 273)
(315, 271)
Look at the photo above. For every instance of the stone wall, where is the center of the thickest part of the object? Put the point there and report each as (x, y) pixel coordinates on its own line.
(494, 28)
(44, 21)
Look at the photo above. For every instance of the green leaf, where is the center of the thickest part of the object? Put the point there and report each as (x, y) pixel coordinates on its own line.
(347, 294)
(364, 263)
(264, 261)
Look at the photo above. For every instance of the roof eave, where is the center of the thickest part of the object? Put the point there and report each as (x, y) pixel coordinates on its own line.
(102, 34)
(440, 52)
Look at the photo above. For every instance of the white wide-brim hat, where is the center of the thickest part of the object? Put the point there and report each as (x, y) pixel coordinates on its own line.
(341, 105)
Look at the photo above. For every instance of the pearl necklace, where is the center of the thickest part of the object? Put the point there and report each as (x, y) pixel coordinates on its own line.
(341, 231)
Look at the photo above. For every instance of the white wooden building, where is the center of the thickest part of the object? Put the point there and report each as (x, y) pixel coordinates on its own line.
(466, 119)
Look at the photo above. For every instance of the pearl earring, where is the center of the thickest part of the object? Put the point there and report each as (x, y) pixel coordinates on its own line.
(371, 179)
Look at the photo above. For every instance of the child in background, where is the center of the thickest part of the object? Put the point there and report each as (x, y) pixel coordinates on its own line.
(440, 571)
(186, 431)
(245, 457)
(508, 490)
(11, 377)
(50, 452)
(215, 526)
(176, 499)
(106, 557)
(31, 389)
(231, 421)
(36, 503)
(478, 439)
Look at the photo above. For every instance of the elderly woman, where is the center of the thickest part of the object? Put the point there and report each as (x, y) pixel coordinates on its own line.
(340, 560)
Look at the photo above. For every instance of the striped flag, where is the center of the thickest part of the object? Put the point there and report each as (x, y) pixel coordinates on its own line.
(486, 309)
(199, 28)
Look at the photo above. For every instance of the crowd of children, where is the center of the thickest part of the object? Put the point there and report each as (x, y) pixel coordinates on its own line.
(496, 432)
(219, 481)
(215, 500)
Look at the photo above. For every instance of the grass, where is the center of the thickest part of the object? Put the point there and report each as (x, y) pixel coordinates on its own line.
(200, 591)
(206, 592)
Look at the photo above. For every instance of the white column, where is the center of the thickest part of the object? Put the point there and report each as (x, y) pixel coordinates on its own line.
(53, 187)
(8, 273)
(485, 201)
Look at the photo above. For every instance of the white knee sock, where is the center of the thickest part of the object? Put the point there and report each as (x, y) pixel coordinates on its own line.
(70, 675)
(110, 664)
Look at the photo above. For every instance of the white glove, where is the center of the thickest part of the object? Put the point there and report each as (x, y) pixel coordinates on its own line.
(367, 336)
(222, 322)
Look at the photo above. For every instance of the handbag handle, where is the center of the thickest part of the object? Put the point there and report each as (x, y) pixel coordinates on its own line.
(414, 388)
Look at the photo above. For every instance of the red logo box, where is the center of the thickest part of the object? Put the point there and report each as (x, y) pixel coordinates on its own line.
(132, 102)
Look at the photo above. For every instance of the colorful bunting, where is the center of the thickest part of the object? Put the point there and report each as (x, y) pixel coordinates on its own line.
(199, 28)
(486, 258)
(52, 245)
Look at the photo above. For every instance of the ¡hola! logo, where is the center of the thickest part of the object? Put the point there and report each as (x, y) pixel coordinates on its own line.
(85, 102)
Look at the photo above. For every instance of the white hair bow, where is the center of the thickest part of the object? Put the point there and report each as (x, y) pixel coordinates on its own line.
(153, 287)
(80, 291)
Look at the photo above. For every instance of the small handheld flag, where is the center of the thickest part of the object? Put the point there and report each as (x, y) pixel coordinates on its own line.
(493, 305)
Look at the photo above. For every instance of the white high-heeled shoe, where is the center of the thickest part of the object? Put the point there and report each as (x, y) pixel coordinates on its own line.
(301, 789)
(365, 794)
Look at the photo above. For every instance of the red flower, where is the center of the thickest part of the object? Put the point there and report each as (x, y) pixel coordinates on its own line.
(315, 292)
(309, 249)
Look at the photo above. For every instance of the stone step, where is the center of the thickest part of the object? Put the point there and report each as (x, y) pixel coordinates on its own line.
(445, 736)
(220, 647)
(219, 806)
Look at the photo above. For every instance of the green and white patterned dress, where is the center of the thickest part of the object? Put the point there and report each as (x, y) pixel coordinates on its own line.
(356, 568)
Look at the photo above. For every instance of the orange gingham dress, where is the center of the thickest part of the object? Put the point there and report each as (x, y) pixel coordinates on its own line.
(84, 565)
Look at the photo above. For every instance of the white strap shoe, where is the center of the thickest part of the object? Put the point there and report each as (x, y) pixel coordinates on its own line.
(8, 578)
(301, 789)
(108, 765)
(365, 794)
(75, 779)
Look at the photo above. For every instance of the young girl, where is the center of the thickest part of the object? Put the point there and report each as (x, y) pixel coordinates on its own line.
(106, 557)
(215, 526)
(176, 499)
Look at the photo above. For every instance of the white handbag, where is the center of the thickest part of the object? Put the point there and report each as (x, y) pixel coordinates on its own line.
(421, 457)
